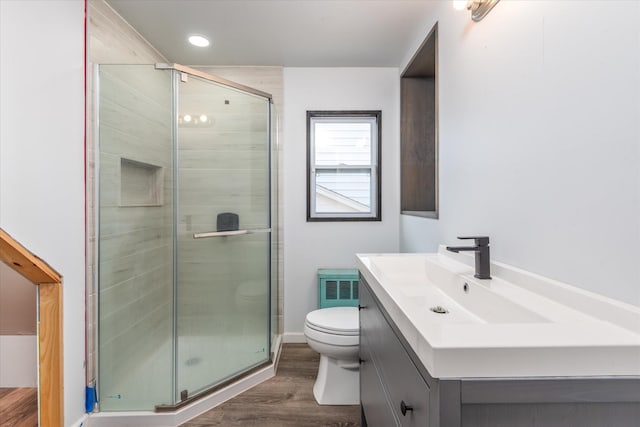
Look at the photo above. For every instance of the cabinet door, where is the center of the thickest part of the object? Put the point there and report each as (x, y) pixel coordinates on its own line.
(402, 380)
(372, 395)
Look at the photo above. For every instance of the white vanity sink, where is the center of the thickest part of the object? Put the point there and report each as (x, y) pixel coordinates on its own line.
(449, 285)
(516, 324)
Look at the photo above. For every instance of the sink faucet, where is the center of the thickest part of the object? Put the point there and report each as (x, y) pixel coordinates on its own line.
(481, 248)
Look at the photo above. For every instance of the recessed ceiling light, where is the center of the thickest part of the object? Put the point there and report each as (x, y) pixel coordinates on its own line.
(199, 41)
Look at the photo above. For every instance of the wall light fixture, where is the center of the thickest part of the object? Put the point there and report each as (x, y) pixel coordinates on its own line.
(478, 8)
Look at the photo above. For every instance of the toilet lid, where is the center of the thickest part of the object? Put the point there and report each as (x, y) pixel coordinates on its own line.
(340, 320)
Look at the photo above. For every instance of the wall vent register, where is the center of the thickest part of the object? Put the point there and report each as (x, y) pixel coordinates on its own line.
(337, 288)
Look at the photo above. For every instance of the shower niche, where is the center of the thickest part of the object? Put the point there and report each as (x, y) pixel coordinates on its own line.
(140, 183)
(182, 309)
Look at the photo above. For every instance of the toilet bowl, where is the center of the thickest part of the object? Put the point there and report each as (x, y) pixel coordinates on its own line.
(335, 334)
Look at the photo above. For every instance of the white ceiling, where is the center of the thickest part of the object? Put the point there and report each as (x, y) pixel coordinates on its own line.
(293, 33)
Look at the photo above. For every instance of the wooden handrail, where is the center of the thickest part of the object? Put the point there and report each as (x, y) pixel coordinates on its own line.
(50, 355)
(25, 262)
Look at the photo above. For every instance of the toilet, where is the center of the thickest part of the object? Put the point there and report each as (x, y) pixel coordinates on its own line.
(334, 333)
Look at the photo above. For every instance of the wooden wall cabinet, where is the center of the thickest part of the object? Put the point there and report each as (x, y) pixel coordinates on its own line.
(419, 131)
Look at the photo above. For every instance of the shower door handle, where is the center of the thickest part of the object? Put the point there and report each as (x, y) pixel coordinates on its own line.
(229, 233)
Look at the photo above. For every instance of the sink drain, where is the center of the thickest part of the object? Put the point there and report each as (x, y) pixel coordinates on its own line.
(439, 309)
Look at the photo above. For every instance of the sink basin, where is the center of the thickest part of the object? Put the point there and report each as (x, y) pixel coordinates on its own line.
(433, 280)
(516, 324)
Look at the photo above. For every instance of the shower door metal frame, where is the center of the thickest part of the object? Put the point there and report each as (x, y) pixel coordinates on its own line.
(215, 79)
(178, 69)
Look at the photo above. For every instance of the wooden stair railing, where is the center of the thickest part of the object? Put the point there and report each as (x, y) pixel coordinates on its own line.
(50, 356)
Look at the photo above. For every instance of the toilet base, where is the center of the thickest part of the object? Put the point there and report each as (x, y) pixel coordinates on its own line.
(338, 382)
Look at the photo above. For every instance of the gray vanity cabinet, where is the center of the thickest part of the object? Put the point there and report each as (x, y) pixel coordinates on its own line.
(374, 399)
(393, 392)
(391, 375)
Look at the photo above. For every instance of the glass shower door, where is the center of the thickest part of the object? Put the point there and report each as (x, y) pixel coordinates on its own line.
(134, 168)
(223, 234)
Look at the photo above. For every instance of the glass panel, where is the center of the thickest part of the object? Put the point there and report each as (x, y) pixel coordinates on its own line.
(223, 282)
(135, 273)
(276, 297)
(343, 190)
(346, 142)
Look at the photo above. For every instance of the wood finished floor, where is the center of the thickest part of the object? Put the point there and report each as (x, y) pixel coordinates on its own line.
(18, 407)
(283, 401)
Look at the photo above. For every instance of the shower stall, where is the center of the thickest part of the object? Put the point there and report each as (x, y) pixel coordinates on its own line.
(186, 234)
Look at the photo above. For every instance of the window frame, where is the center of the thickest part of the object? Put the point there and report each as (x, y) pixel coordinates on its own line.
(375, 213)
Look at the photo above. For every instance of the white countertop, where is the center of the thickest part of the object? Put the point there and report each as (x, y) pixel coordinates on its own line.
(516, 324)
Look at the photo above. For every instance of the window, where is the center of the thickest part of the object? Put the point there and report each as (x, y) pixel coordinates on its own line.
(343, 172)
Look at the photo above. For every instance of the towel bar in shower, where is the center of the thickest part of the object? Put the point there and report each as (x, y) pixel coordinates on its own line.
(229, 233)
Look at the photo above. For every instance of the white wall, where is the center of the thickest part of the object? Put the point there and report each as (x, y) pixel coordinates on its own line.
(18, 361)
(18, 304)
(18, 341)
(309, 246)
(539, 139)
(42, 155)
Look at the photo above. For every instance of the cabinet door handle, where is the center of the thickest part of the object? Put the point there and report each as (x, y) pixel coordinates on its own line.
(404, 408)
(361, 307)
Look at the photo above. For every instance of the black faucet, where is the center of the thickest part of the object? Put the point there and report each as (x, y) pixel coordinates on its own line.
(483, 269)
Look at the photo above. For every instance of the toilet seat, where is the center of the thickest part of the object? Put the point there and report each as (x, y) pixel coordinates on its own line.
(331, 331)
(335, 320)
(331, 339)
(337, 326)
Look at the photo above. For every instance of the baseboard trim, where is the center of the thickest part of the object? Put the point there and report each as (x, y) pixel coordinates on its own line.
(294, 338)
(82, 422)
(277, 352)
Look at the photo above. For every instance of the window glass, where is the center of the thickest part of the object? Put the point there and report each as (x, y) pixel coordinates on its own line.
(347, 143)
